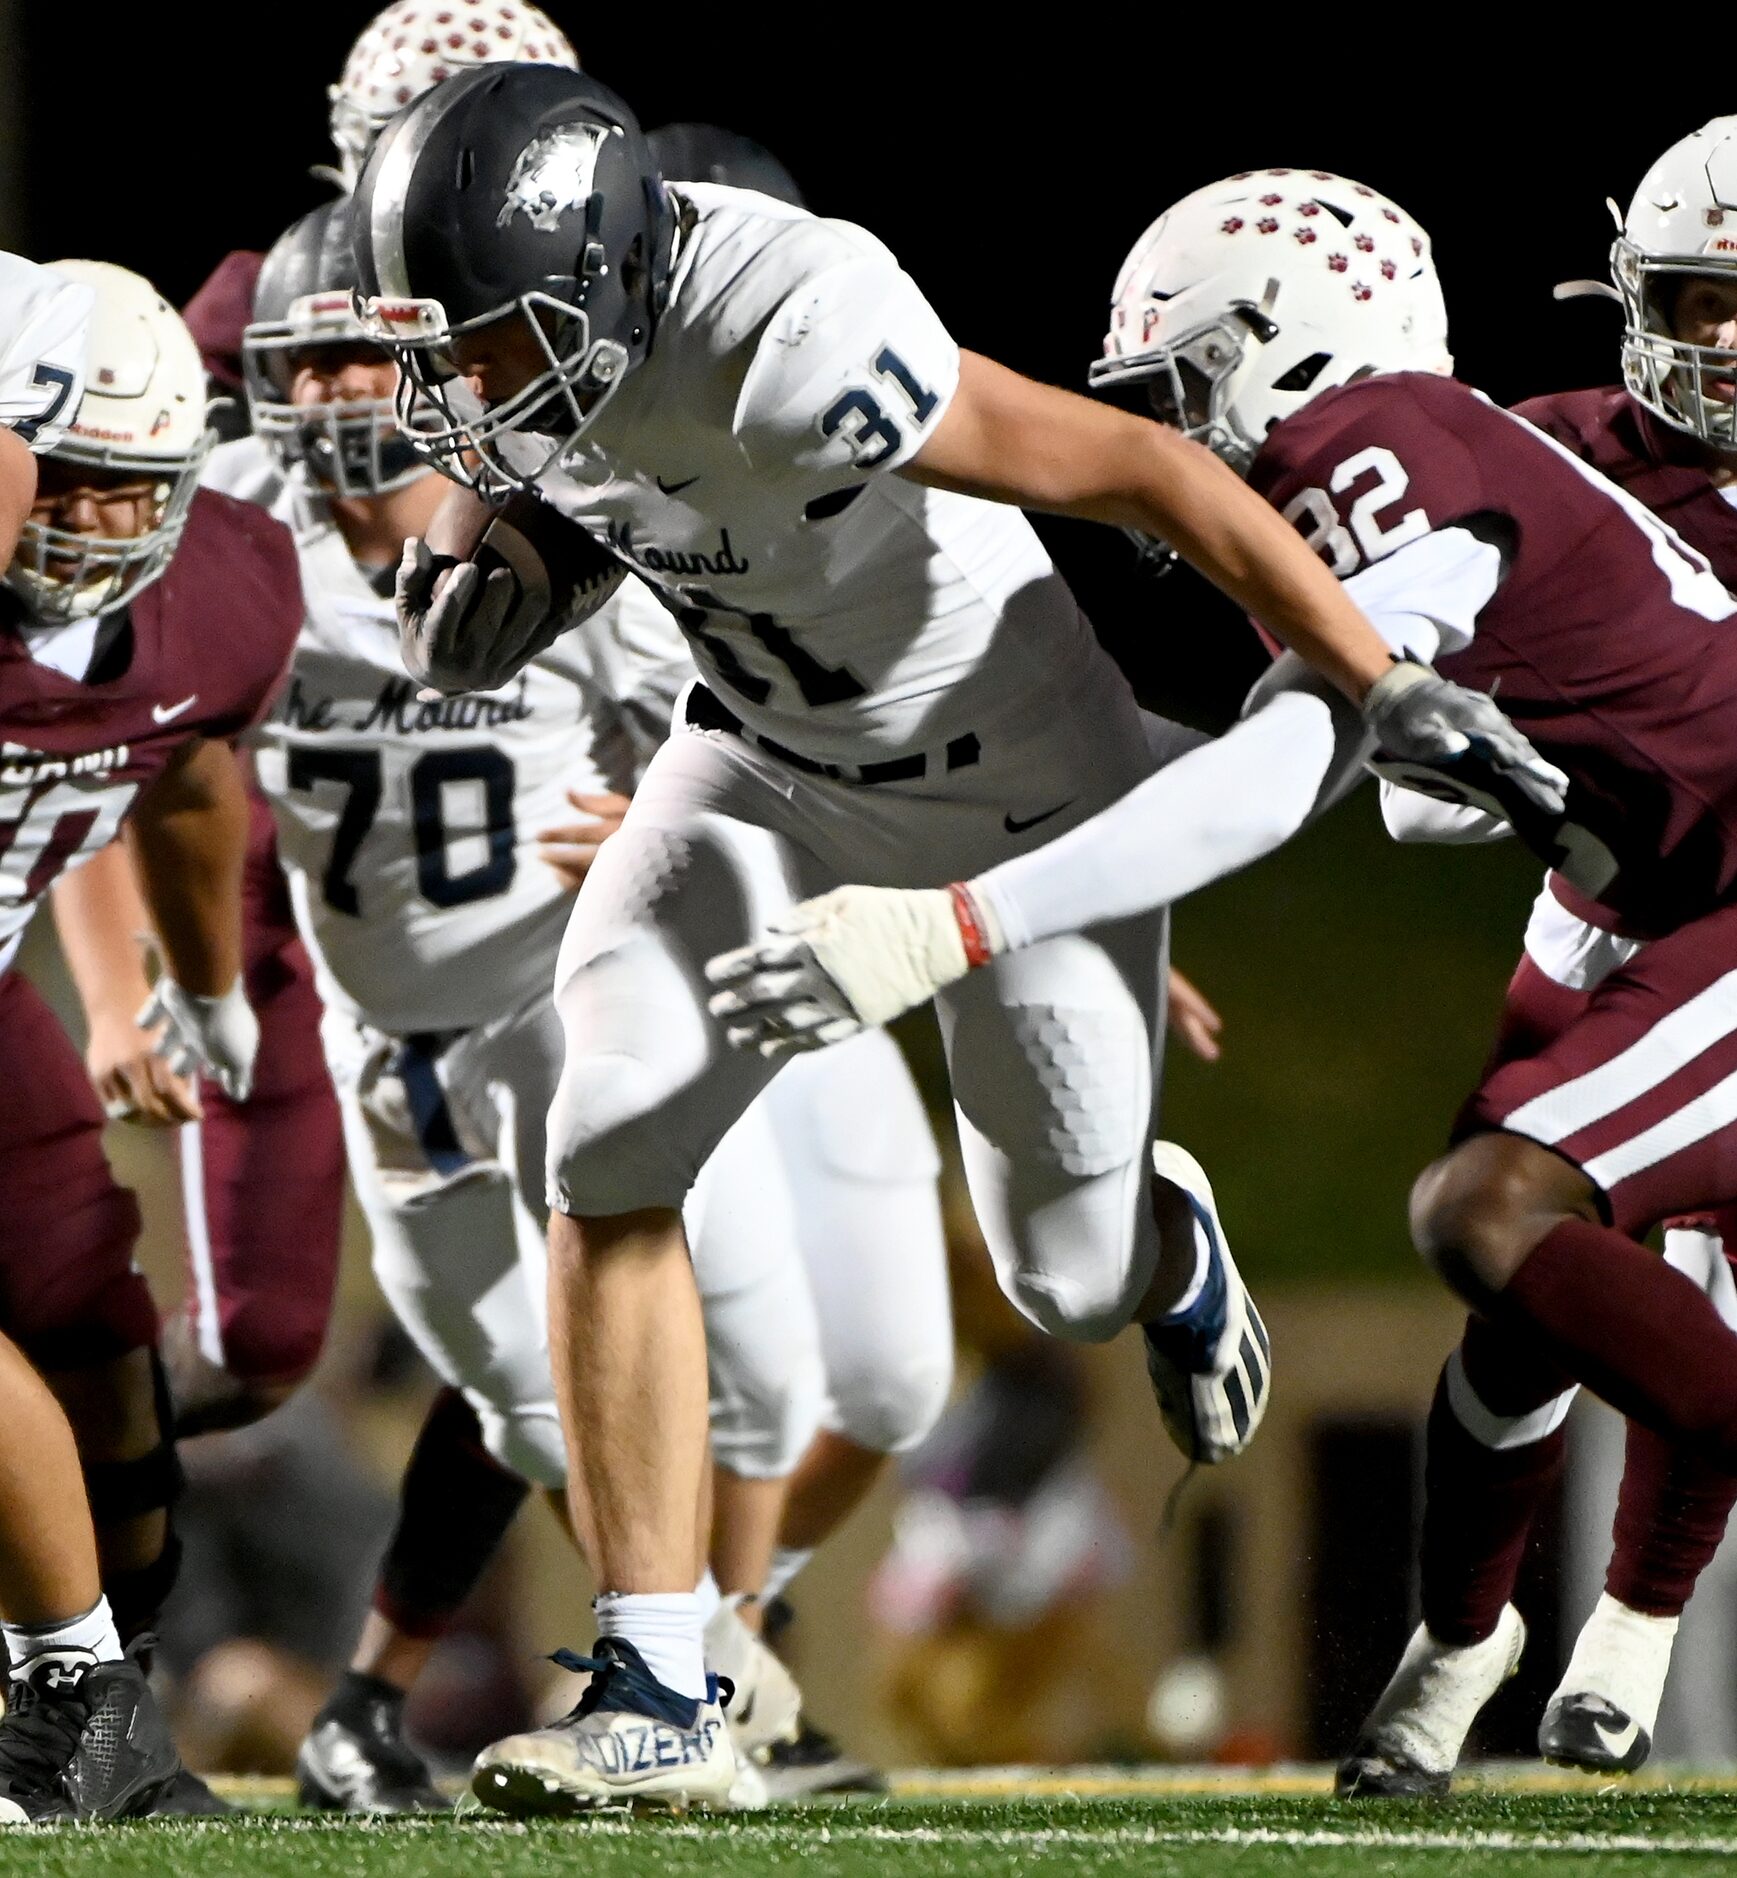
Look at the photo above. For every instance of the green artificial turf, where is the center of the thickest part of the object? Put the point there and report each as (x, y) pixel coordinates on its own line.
(1481, 1835)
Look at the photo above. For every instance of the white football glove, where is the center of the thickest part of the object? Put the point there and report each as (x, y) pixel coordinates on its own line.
(215, 1037)
(851, 960)
(1418, 715)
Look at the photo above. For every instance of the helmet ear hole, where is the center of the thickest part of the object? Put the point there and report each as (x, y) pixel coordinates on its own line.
(1304, 373)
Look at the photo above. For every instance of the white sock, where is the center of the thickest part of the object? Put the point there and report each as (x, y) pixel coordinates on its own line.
(94, 1631)
(665, 1628)
(1624, 1656)
(710, 1597)
(787, 1561)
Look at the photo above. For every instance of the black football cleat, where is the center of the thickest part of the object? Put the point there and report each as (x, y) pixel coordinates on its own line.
(1373, 1772)
(356, 1759)
(82, 1740)
(1411, 1740)
(814, 1763)
(1593, 1734)
(188, 1797)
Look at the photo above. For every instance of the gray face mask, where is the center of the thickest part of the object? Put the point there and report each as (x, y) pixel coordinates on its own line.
(1693, 388)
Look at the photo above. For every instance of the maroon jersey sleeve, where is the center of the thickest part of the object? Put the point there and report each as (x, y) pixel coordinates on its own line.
(219, 312)
(1584, 421)
(1663, 468)
(227, 613)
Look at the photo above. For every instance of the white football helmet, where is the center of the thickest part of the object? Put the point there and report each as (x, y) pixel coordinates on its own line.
(1254, 295)
(410, 46)
(1683, 221)
(143, 417)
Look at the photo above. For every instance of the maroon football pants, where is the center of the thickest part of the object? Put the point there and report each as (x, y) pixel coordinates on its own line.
(263, 1180)
(1483, 1498)
(70, 1296)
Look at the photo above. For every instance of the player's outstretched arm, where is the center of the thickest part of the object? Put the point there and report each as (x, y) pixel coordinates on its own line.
(1014, 440)
(859, 956)
(104, 930)
(188, 838)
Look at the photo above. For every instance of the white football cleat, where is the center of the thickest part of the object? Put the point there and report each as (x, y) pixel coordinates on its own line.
(1212, 1369)
(1410, 1744)
(630, 1742)
(767, 1705)
(1606, 1706)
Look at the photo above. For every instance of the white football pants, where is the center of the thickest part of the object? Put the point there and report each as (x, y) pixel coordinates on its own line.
(446, 1149)
(1054, 1051)
(860, 1159)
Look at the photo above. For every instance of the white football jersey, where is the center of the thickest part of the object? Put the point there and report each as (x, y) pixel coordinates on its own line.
(743, 470)
(407, 826)
(44, 322)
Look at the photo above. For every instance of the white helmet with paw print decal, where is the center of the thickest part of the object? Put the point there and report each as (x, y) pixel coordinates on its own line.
(1255, 294)
(409, 47)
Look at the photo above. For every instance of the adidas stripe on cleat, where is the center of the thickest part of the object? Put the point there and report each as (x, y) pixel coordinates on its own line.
(1212, 1368)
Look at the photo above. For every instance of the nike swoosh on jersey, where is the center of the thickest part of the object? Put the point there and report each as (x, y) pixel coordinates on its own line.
(167, 713)
(1016, 827)
(675, 489)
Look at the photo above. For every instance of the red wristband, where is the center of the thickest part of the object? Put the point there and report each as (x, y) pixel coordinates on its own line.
(965, 911)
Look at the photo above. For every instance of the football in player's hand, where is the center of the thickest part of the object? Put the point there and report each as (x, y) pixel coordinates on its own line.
(580, 573)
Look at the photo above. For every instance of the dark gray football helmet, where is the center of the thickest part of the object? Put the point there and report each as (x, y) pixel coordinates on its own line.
(513, 192)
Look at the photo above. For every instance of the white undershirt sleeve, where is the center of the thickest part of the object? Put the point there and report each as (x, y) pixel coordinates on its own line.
(1412, 816)
(1299, 747)
(1212, 811)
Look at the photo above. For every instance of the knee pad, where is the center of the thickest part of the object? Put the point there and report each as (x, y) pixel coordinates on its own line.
(762, 1425)
(610, 1148)
(526, 1440)
(1078, 1313)
(1060, 1090)
(889, 1409)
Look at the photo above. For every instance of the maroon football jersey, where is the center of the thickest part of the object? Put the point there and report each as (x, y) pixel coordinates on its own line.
(1654, 463)
(219, 313)
(1609, 642)
(210, 642)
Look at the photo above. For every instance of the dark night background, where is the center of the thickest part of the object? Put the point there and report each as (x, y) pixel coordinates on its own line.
(1011, 172)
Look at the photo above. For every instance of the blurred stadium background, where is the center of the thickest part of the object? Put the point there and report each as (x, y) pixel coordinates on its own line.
(1358, 982)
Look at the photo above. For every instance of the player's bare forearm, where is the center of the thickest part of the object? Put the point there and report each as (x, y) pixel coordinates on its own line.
(188, 837)
(17, 490)
(1014, 440)
(100, 915)
(458, 523)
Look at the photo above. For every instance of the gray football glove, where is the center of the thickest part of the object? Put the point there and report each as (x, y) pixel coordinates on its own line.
(1425, 719)
(215, 1037)
(484, 623)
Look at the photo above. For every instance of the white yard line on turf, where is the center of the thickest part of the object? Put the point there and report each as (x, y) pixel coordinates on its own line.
(791, 1829)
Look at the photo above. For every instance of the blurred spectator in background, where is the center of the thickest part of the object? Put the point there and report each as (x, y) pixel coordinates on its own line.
(1004, 1549)
(283, 1530)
